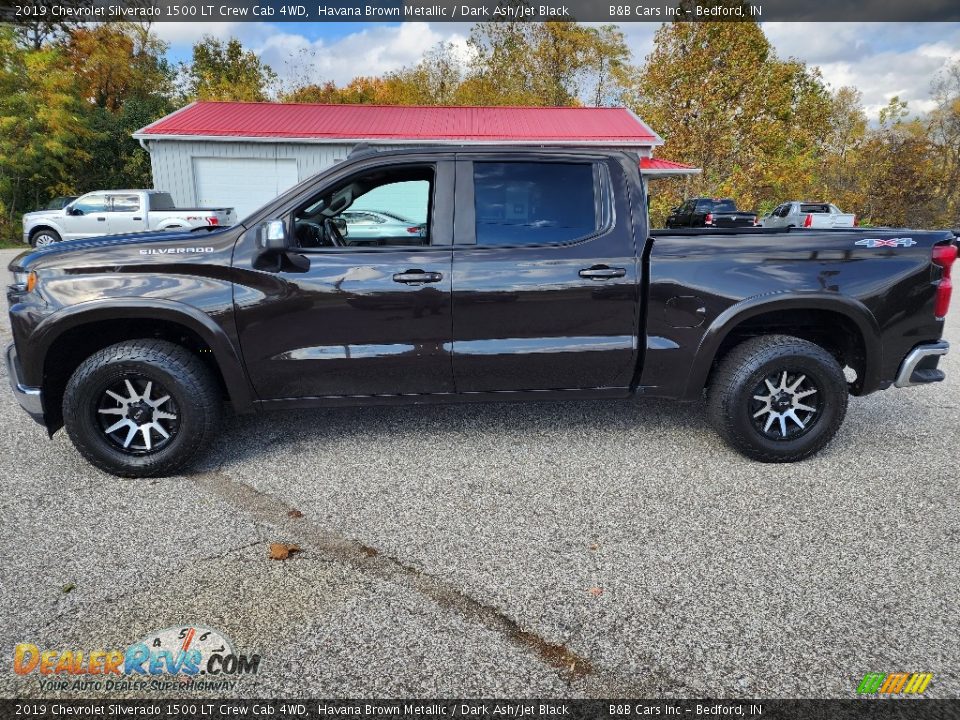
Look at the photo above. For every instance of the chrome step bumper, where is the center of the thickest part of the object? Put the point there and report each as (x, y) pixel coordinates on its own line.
(910, 374)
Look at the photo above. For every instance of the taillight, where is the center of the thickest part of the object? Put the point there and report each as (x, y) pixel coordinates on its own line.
(414, 229)
(213, 220)
(708, 220)
(808, 221)
(855, 221)
(943, 256)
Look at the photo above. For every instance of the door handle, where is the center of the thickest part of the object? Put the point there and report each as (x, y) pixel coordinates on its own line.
(101, 219)
(416, 277)
(602, 272)
(138, 218)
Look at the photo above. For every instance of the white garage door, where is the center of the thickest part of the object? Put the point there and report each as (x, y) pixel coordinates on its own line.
(242, 183)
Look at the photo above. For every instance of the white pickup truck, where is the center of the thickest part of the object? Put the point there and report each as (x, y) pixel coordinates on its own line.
(111, 212)
(817, 215)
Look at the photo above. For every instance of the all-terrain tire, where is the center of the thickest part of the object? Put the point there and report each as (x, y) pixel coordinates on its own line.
(753, 372)
(95, 397)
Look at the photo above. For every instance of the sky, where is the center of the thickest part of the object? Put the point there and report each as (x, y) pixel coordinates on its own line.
(879, 59)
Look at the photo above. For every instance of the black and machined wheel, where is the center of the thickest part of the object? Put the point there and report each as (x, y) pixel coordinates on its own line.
(778, 398)
(142, 408)
(44, 237)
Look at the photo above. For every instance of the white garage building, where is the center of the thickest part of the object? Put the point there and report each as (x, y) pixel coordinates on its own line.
(214, 154)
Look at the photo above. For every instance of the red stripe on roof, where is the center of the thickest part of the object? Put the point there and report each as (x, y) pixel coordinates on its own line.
(356, 122)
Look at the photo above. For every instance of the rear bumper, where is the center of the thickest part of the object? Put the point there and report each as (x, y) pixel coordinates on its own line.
(919, 367)
(30, 398)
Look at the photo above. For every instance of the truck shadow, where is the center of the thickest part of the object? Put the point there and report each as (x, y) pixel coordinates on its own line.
(307, 431)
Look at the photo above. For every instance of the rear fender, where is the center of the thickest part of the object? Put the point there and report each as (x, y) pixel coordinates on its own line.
(742, 311)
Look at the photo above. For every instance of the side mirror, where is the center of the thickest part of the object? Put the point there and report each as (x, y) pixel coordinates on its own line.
(272, 235)
(70, 210)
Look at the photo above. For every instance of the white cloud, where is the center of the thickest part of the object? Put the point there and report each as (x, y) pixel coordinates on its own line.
(879, 59)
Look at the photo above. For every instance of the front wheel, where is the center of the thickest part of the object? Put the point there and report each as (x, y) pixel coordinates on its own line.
(778, 398)
(141, 408)
(44, 237)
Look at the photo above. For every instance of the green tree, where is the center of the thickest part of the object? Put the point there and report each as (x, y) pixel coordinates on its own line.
(225, 71)
(724, 102)
(42, 128)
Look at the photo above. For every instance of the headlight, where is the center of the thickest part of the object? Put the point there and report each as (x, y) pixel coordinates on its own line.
(25, 279)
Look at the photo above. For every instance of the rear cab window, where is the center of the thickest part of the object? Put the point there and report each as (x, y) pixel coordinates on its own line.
(537, 203)
(161, 201)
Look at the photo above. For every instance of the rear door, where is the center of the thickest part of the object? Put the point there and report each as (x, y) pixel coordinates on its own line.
(545, 274)
(126, 214)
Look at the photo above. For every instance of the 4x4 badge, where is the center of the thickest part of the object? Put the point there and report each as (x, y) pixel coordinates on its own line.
(892, 242)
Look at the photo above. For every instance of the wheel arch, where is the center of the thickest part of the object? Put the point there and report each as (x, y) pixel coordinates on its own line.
(45, 226)
(64, 340)
(842, 325)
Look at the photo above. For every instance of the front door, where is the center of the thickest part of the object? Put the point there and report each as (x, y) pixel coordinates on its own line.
(545, 276)
(338, 318)
(88, 217)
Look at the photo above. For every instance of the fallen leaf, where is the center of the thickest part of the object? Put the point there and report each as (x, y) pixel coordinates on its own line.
(69, 587)
(595, 591)
(295, 513)
(595, 546)
(282, 551)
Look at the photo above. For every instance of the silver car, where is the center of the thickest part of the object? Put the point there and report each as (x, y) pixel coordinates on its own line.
(379, 226)
(801, 214)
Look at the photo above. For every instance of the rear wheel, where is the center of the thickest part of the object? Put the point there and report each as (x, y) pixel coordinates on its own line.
(778, 398)
(141, 408)
(44, 237)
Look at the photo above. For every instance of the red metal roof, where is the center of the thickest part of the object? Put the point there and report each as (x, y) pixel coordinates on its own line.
(661, 164)
(612, 126)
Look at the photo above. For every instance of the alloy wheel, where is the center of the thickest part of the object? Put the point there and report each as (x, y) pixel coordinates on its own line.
(138, 415)
(785, 405)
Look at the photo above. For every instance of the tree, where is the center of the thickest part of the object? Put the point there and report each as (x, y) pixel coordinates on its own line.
(944, 131)
(42, 128)
(724, 102)
(549, 63)
(225, 71)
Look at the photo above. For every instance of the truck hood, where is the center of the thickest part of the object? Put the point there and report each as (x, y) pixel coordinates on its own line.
(40, 214)
(96, 250)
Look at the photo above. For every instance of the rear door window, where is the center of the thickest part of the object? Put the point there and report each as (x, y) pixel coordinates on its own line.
(125, 203)
(530, 203)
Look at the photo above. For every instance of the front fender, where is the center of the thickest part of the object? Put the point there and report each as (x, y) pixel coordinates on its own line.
(225, 353)
(751, 307)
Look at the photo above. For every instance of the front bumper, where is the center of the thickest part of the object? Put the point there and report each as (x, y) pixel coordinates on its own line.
(30, 398)
(919, 367)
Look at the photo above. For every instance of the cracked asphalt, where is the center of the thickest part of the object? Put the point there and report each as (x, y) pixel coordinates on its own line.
(597, 549)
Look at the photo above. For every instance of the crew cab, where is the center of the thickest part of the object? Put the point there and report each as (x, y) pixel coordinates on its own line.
(118, 212)
(536, 278)
(817, 215)
(710, 212)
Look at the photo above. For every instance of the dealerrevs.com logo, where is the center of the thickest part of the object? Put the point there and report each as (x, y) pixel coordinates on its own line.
(181, 657)
(894, 683)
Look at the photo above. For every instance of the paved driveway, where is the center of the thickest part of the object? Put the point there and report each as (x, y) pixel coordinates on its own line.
(592, 549)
